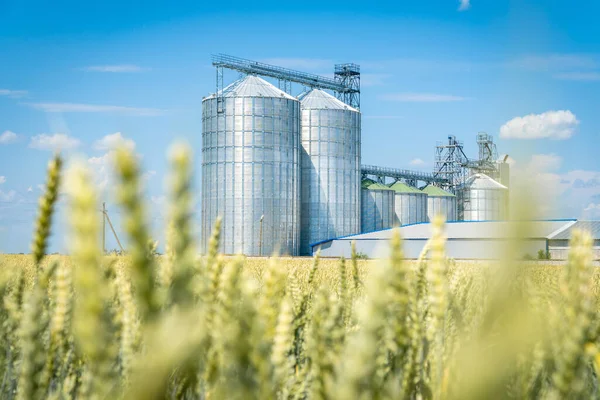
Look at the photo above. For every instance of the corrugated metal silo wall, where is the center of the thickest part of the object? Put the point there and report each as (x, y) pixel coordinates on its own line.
(484, 204)
(410, 208)
(442, 205)
(330, 205)
(377, 210)
(251, 167)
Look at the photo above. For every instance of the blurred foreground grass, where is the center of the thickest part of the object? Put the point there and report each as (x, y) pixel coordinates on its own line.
(214, 327)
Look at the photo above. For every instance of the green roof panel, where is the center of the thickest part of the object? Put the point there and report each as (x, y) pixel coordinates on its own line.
(400, 187)
(366, 183)
(436, 191)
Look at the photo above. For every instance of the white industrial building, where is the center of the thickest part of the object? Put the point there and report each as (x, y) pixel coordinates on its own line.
(470, 239)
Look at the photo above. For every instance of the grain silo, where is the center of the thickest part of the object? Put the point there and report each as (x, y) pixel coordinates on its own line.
(440, 202)
(483, 199)
(377, 207)
(330, 165)
(410, 204)
(250, 168)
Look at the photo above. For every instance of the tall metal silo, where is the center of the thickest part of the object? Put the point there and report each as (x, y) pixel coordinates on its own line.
(440, 202)
(483, 199)
(330, 194)
(251, 168)
(410, 204)
(377, 207)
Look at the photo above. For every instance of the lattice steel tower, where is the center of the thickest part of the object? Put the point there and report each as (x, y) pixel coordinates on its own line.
(488, 155)
(451, 163)
(348, 75)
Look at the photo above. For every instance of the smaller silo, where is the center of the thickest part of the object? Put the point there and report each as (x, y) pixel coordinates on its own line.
(377, 206)
(440, 202)
(410, 204)
(483, 199)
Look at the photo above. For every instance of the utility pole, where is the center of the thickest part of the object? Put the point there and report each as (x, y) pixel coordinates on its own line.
(104, 219)
(260, 235)
(104, 227)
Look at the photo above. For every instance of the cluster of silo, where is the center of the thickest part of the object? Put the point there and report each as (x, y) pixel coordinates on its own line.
(251, 168)
(377, 206)
(284, 173)
(410, 205)
(440, 202)
(483, 199)
(258, 145)
(330, 165)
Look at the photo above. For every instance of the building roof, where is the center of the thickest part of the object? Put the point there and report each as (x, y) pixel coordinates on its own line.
(592, 227)
(318, 99)
(400, 187)
(435, 191)
(252, 86)
(457, 230)
(482, 181)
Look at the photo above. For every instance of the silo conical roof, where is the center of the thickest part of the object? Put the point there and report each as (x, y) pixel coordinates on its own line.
(253, 86)
(366, 183)
(436, 191)
(400, 187)
(318, 99)
(482, 181)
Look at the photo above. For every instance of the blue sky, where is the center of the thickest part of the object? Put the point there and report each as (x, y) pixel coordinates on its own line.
(73, 74)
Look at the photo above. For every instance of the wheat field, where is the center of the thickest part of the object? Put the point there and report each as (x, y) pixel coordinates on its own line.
(183, 326)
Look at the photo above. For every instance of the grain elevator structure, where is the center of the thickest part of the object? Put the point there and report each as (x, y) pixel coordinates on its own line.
(283, 171)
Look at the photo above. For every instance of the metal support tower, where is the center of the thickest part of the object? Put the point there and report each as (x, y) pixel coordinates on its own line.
(219, 92)
(285, 85)
(346, 84)
(349, 76)
(488, 154)
(451, 164)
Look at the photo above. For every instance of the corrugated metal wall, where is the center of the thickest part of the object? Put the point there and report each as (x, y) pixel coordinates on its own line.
(250, 168)
(377, 209)
(330, 204)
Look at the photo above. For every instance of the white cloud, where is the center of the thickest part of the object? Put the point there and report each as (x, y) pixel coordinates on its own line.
(592, 211)
(56, 142)
(545, 162)
(13, 93)
(146, 176)
(464, 5)
(103, 170)
(554, 194)
(2, 179)
(101, 167)
(158, 200)
(579, 76)
(417, 162)
(91, 108)
(114, 141)
(30, 189)
(421, 97)
(551, 124)
(114, 68)
(7, 196)
(8, 137)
